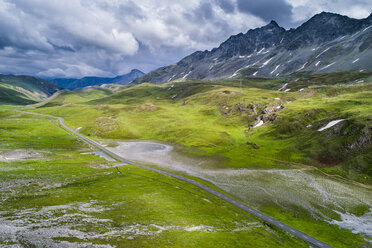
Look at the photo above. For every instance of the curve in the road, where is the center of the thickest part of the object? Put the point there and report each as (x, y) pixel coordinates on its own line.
(312, 241)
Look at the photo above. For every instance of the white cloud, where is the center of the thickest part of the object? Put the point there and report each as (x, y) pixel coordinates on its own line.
(304, 9)
(73, 70)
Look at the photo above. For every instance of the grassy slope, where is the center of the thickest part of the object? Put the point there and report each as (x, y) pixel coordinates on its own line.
(22, 90)
(11, 96)
(214, 118)
(67, 183)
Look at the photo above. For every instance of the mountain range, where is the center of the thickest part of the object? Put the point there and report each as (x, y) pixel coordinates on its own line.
(73, 83)
(325, 43)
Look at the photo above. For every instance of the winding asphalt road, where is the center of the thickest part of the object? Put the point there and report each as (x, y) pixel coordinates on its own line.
(312, 241)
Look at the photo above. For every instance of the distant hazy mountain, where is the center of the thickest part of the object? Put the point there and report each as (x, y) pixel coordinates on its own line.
(73, 83)
(24, 89)
(326, 43)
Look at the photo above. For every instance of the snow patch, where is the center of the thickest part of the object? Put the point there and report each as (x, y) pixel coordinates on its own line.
(276, 68)
(356, 33)
(302, 67)
(330, 124)
(243, 57)
(266, 62)
(283, 87)
(317, 63)
(237, 71)
(355, 61)
(325, 67)
(287, 90)
(259, 52)
(186, 74)
(254, 74)
(366, 28)
(322, 52)
(260, 123)
(170, 79)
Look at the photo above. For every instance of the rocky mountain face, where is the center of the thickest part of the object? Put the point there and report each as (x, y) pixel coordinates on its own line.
(325, 43)
(73, 83)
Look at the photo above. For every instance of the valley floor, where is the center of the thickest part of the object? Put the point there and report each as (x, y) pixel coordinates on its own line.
(302, 157)
(53, 195)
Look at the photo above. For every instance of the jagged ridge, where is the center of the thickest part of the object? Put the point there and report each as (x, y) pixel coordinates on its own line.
(327, 42)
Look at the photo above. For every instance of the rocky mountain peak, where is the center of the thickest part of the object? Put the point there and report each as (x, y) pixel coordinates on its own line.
(136, 71)
(330, 20)
(272, 24)
(321, 28)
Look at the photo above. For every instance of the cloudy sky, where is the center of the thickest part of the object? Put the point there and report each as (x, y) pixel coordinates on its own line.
(76, 38)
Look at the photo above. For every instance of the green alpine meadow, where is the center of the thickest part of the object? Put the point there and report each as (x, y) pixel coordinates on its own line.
(263, 141)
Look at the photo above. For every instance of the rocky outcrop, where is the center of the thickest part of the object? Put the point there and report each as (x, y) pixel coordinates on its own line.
(362, 140)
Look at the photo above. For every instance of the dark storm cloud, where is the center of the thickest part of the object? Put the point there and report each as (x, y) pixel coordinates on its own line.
(278, 10)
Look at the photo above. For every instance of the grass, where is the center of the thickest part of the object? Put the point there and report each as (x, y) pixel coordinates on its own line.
(215, 119)
(83, 194)
(11, 96)
(22, 90)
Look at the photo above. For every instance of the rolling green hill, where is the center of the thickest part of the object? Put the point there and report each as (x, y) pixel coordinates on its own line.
(22, 90)
(218, 117)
